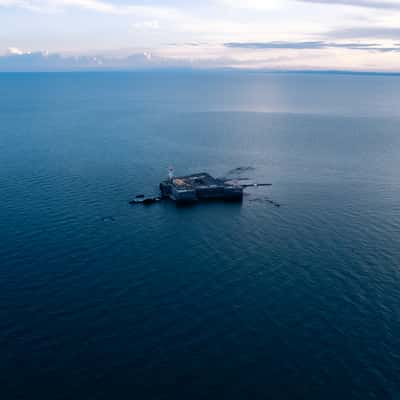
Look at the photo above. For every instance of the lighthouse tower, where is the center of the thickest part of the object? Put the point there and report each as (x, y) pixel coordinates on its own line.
(170, 173)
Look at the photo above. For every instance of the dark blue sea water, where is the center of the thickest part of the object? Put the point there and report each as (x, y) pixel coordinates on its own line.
(102, 300)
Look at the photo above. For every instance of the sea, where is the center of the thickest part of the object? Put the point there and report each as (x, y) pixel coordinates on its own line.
(100, 299)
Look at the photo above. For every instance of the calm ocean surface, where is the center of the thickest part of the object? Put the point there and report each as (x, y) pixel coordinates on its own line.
(102, 300)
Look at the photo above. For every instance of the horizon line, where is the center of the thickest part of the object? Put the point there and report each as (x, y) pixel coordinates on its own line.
(205, 70)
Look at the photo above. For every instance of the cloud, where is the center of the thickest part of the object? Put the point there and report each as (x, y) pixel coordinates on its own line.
(252, 4)
(315, 45)
(273, 4)
(42, 61)
(15, 51)
(275, 45)
(386, 5)
(365, 32)
(146, 25)
(100, 6)
(17, 61)
(45, 62)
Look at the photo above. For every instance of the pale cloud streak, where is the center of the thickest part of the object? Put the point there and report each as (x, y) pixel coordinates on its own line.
(385, 5)
(15, 51)
(99, 6)
(259, 5)
(316, 45)
(374, 32)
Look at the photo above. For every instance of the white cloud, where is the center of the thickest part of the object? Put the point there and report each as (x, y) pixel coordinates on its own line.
(145, 25)
(14, 51)
(99, 6)
(373, 4)
(254, 4)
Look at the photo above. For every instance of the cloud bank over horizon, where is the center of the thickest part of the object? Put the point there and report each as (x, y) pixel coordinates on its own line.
(18, 61)
(61, 35)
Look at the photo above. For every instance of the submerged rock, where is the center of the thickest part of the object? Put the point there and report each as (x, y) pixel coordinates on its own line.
(239, 170)
(108, 219)
(141, 199)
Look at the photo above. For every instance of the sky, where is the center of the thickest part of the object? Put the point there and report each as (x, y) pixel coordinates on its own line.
(356, 35)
